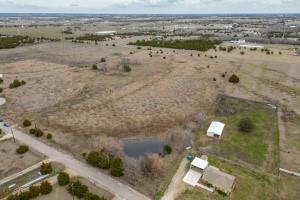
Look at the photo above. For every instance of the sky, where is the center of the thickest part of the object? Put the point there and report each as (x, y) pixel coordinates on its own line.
(150, 6)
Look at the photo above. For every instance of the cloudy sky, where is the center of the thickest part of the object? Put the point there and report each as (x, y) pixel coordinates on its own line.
(151, 6)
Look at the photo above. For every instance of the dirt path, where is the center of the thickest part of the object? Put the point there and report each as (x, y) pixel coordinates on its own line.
(176, 186)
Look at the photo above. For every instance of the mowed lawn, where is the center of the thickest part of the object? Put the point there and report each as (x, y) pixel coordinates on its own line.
(249, 185)
(259, 147)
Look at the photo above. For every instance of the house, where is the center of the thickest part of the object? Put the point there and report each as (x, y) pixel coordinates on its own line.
(215, 129)
(218, 179)
(193, 176)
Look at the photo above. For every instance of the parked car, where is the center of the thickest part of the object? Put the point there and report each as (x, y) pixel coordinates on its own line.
(6, 124)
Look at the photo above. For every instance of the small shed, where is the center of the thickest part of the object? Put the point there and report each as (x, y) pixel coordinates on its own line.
(199, 163)
(215, 129)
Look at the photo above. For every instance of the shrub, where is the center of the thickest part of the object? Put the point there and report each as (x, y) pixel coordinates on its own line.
(36, 132)
(46, 168)
(246, 125)
(45, 187)
(1, 80)
(99, 159)
(167, 149)
(126, 68)
(139, 47)
(91, 196)
(117, 167)
(22, 149)
(13, 197)
(103, 60)
(242, 53)
(95, 67)
(93, 158)
(49, 136)
(63, 178)
(234, 79)
(1, 90)
(34, 191)
(26, 123)
(78, 189)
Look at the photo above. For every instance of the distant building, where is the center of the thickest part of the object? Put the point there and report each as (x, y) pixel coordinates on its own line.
(237, 41)
(215, 129)
(105, 32)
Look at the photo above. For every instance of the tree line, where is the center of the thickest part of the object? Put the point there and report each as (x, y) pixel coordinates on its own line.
(194, 44)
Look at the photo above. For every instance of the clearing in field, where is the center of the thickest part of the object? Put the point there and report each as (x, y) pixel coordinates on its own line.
(258, 148)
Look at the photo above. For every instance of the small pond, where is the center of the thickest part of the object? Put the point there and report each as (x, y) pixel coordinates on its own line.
(140, 147)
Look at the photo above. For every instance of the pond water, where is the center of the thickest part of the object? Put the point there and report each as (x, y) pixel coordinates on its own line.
(137, 148)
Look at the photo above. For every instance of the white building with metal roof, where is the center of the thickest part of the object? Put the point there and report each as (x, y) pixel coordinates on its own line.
(215, 129)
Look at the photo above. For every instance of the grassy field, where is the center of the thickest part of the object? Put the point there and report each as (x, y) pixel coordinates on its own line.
(49, 32)
(259, 148)
(248, 186)
(293, 133)
(289, 187)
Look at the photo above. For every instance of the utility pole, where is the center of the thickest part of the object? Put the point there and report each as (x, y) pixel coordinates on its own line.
(12, 132)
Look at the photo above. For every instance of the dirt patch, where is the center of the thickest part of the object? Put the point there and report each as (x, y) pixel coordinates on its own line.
(13, 162)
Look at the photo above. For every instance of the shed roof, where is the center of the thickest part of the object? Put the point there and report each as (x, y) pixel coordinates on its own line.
(218, 179)
(192, 177)
(216, 128)
(200, 163)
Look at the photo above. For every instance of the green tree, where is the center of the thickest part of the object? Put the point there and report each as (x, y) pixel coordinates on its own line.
(93, 158)
(26, 123)
(46, 168)
(49, 136)
(22, 149)
(34, 191)
(126, 68)
(167, 149)
(63, 178)
(45, 187)
(91, 196)
(234, 79)
(78, 189)
(117, 167)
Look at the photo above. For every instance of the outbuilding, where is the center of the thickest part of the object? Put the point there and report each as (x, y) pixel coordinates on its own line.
(215, 129)
(199, 164)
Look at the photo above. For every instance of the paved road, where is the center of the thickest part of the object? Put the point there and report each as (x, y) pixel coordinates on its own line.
(121, 191)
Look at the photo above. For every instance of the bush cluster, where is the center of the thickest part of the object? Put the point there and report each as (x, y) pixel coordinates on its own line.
(106, 161)
(46, 168)
(63, 178)
(22, 149)
(126, 68)
(26, 123)
(167, 149)
(15, 41)
(78, 189)
(93, 38)
(36, 132)
(234, 79)
(16, 83)
(33, 192)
